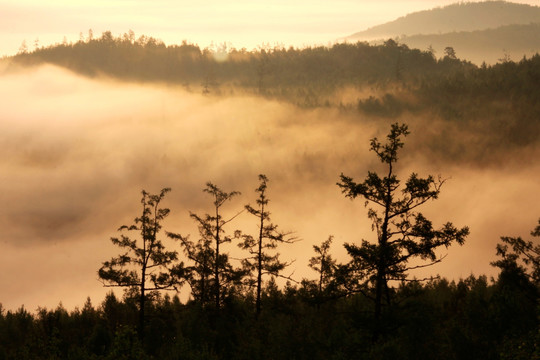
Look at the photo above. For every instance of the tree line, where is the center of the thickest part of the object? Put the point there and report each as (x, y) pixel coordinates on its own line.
(305, 76)
(368, 307)
(497, 104)
(270, 71)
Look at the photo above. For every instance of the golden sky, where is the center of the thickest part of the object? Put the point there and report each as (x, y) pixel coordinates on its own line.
(242, 23)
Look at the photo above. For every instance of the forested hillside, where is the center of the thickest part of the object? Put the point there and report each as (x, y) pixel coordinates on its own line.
(280, 72)
(511, 42)
(495, 104)
(462, 16)
(479, 31)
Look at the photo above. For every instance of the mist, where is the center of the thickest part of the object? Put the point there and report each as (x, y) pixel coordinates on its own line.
(77, 153)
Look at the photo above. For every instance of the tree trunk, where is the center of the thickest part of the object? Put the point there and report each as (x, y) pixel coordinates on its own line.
(216, 267)
(380, 281)
(259, 266)
(141, 309)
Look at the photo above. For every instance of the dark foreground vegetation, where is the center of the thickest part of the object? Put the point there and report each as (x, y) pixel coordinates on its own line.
(366, 308)
(471, 319)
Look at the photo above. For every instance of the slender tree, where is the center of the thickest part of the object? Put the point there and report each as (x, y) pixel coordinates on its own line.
(146, 265)
(403, 234)
(199, 274)
(211, 229)
(261, 262)
(323, 264)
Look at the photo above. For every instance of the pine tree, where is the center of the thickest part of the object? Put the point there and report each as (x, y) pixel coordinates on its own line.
(403, 234)
(146, 265)
(262, 262)
(213, 236)
(323, 264)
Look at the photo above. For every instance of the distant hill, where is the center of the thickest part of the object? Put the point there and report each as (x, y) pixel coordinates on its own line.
(479, 32)
(510, 42)
(454, 18)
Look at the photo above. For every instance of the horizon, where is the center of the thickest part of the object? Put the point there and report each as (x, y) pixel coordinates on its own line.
(284, 23)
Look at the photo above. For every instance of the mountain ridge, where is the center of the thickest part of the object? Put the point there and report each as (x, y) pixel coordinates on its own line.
(490, 45)
(470, 16)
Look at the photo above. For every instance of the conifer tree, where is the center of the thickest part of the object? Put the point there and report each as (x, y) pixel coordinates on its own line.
(199, 274)
(213, 236)
(146, 265)
(262, 262)
(323, 264)
(403, 234)
(520, 254)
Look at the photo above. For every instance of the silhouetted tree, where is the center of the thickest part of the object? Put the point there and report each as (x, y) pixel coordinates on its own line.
(23, 49)
(323, 264)
(450, 53)
(146, 265)
(516, 252)
(402, 233)
(261, 261)
(262, 69)
(213, 234)
(515, 298)
(202, 255)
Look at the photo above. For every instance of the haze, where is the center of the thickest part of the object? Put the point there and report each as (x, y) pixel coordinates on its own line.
(244, 23)
(77, 153)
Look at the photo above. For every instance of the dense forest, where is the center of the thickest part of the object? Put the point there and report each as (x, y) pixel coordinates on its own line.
(468, 319)
(495, 104)
(252, 308)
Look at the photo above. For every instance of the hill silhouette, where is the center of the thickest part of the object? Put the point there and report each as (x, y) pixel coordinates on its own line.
(510, 42)
(454, 18)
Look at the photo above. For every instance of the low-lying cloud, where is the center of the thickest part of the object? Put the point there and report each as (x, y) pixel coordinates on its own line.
(77, 153)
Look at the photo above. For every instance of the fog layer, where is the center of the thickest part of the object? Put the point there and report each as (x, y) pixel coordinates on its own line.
(77, 153)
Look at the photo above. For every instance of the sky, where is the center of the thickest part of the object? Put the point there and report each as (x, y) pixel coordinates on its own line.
(77, 152)
(245, 23)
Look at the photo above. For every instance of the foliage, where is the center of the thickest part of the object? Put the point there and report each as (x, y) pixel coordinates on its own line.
(435, 319)
(198, 275)
(146, 265)
(403, 234)
(325, 266)
(440, 319)
(496, 105)
(261, 261)
(212, 276)
(516, 296)
(274, 72)
(520, 255)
